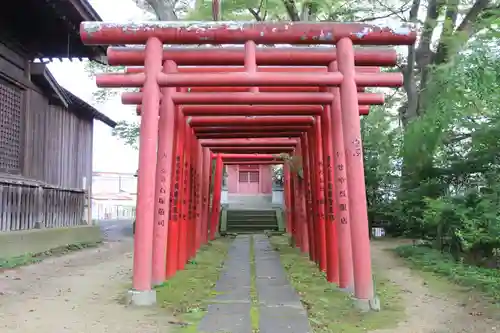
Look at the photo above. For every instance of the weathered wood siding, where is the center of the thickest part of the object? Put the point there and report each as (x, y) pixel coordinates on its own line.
(58, 144)
(38, 140)
(44, 147)
(27, 206)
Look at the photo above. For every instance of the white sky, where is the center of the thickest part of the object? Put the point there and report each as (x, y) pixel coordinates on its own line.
(110, 153)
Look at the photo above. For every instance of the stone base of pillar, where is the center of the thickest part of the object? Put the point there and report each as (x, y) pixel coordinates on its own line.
(141, 298)
(366, 305)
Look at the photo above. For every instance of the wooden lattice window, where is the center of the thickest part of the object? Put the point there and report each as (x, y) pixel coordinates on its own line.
(253, 176)
(11, 101)
(243, 177)
(248, 177)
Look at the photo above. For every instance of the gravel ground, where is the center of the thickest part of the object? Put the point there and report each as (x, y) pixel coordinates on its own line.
(79, 293)
(428, 311)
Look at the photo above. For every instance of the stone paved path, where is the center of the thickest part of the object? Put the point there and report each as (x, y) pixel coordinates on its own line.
(280, 309)
(279, 306)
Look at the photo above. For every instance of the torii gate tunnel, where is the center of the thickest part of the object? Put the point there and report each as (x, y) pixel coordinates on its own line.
(297, 106)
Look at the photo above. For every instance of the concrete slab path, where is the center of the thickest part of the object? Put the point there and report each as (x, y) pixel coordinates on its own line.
(279, 307)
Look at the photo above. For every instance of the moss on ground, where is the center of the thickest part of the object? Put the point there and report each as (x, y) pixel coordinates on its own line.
(31, 258)
(254, 297)
(188, 293)
(329, 309)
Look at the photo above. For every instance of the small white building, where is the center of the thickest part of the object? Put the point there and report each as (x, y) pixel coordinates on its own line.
(114, 196)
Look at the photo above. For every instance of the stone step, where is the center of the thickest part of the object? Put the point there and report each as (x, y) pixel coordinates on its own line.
(251, 220)
(254, 212)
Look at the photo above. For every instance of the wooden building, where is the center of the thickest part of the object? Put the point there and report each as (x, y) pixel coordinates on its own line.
(249, 179)
(45, 130)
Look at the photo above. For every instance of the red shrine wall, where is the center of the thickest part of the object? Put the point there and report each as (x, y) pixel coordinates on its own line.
(249, 179)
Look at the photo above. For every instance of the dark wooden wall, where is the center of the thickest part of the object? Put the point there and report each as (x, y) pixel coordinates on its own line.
(45, 152)
(57, 146)
(39, 140)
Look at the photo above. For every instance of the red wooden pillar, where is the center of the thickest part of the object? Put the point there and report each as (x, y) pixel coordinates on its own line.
(199, 199)
(217, 188)
(163, 178)
(194, 196)
(207, 170)
(287, 197)
(209, 194)
(332, 271)
(302, 230)
(143, 244)
(293, 205)
(297, 202)
(320, 195)
(176, 199)
(341, 192)
(311, 144)
(363, 281)
(184, 198)
(309, 216)
(190, 201)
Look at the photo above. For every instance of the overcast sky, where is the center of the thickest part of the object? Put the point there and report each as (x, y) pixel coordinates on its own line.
(110, 153)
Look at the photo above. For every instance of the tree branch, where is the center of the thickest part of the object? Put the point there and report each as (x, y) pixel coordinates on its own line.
(163, 9)
(409, 110)
(255, 14)
(291, 9)
(467, 25)
(445, 39)
(450, 42)
(397, 13)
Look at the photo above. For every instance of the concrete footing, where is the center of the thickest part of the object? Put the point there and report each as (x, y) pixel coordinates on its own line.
(366, 305)
(141, 298)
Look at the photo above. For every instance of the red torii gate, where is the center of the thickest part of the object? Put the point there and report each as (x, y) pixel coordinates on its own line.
(344, 190)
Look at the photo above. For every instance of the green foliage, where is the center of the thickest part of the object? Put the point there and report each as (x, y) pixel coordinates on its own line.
(129, 132)
(382, 141)
(280, 10)
(431, 260)
(448, 190)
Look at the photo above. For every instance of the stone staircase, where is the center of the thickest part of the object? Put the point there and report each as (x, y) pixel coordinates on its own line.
(243, 202)
(251, 220)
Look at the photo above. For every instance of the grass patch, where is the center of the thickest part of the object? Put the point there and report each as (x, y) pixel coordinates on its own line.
(31, 258)
(329, 309)
(254, 310)
(430, 260)
(186, 295)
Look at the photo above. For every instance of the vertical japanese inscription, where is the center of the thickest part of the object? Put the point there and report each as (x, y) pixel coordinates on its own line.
(198, 194)
(321, 197)
(184, 191)
(341, 188)
(162, 198)
(356, 144)
(190, 203)
(174, 214)
(329, 177)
